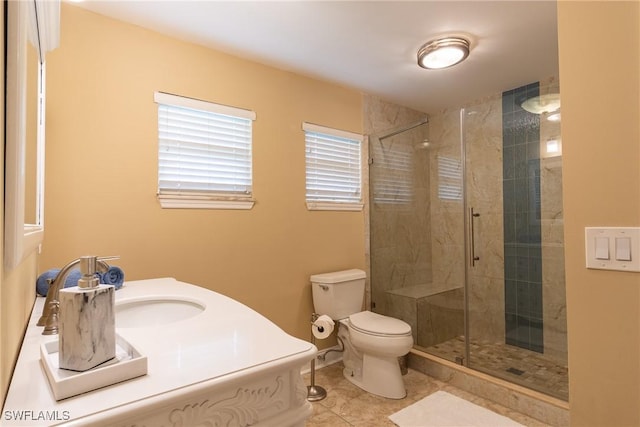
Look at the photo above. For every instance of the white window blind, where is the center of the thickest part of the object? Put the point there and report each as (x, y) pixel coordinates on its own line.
(204, 150)
(392, 174)
(449, 178)
(333, 168)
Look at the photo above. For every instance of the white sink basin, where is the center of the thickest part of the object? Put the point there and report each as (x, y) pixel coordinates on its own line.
(155, 310)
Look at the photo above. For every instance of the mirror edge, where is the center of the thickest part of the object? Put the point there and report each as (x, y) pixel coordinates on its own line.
(22, 239)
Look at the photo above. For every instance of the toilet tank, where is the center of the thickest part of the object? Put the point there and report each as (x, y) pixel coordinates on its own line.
(338, 294)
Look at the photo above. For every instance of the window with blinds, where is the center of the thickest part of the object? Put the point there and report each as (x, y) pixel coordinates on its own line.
(392, 174)
(333, 168)
(204, 154)
(449, 178)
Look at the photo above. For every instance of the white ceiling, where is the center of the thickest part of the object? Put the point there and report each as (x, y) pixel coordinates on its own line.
(368, 45)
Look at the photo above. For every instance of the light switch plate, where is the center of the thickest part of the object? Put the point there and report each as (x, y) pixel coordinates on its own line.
(595, 236)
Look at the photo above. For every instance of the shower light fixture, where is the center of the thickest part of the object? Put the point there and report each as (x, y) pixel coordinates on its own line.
(551, 148)
(554, 117)
(547, 103)
(443, 53)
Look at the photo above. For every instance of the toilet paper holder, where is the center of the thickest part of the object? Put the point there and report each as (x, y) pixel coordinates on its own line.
(314, 392)
(321, 326)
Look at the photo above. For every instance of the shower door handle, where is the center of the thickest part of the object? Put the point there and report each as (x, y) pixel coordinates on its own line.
(472, 253)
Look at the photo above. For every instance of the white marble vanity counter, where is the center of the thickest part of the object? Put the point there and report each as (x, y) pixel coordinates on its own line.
(228, 359)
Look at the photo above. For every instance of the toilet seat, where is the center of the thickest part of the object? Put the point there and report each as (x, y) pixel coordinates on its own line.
(376, 324)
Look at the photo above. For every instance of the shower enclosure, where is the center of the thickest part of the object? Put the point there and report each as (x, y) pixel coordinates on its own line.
(466, 237)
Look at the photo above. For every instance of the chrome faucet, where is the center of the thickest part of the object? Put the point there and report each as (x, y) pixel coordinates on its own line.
(49, 317)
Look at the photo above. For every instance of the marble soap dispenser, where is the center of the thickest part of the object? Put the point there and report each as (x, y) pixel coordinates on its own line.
(86, 319)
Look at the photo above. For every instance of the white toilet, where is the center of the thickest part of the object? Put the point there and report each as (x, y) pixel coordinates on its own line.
(372, 342)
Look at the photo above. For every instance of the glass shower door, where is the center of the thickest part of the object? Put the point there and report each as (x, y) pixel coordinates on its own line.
(467, 238)
(440, 310)
(399, 222)
(513, 203)
(417, 232)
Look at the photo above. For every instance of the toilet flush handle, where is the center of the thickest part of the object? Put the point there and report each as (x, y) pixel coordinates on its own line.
(324, 287)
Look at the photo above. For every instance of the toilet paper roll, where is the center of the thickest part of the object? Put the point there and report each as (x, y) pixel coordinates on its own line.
(322, 327)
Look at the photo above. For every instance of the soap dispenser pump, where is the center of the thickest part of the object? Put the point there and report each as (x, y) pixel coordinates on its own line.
(86, 320)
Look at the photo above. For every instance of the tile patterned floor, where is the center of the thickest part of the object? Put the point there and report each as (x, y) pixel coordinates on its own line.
(347, 405)
(517, 365)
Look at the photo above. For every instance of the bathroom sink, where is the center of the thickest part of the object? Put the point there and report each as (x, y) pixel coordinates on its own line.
(155, 310)
(198, 345)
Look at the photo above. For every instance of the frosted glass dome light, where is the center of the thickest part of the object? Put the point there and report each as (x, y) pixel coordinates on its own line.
(443, 53)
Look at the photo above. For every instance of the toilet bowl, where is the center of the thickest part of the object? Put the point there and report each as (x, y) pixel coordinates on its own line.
(373, 343)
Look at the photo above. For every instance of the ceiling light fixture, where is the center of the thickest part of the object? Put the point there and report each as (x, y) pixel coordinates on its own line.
(443, 53)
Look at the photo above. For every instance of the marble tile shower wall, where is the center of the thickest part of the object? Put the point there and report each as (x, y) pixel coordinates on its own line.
(447, 220)
(399, 239)
(442, 315)
(483, 138)
(554, 311)
(482, 125)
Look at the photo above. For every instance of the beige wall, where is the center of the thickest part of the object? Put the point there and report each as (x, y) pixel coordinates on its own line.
(102, 169)
(17, 293)
(599, 67)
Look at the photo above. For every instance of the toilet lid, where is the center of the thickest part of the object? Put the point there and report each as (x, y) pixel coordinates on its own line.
(374, 323)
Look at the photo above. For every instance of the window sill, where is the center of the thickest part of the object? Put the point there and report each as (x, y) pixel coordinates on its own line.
(172, 201)
(331, 206)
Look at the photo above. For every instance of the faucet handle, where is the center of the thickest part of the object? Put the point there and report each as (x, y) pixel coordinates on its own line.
(51, 325)
(107, 258)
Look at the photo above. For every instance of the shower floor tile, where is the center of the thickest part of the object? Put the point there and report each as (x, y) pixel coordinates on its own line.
(517, 365)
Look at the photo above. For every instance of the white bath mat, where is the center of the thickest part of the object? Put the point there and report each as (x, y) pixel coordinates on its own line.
(442, 409)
